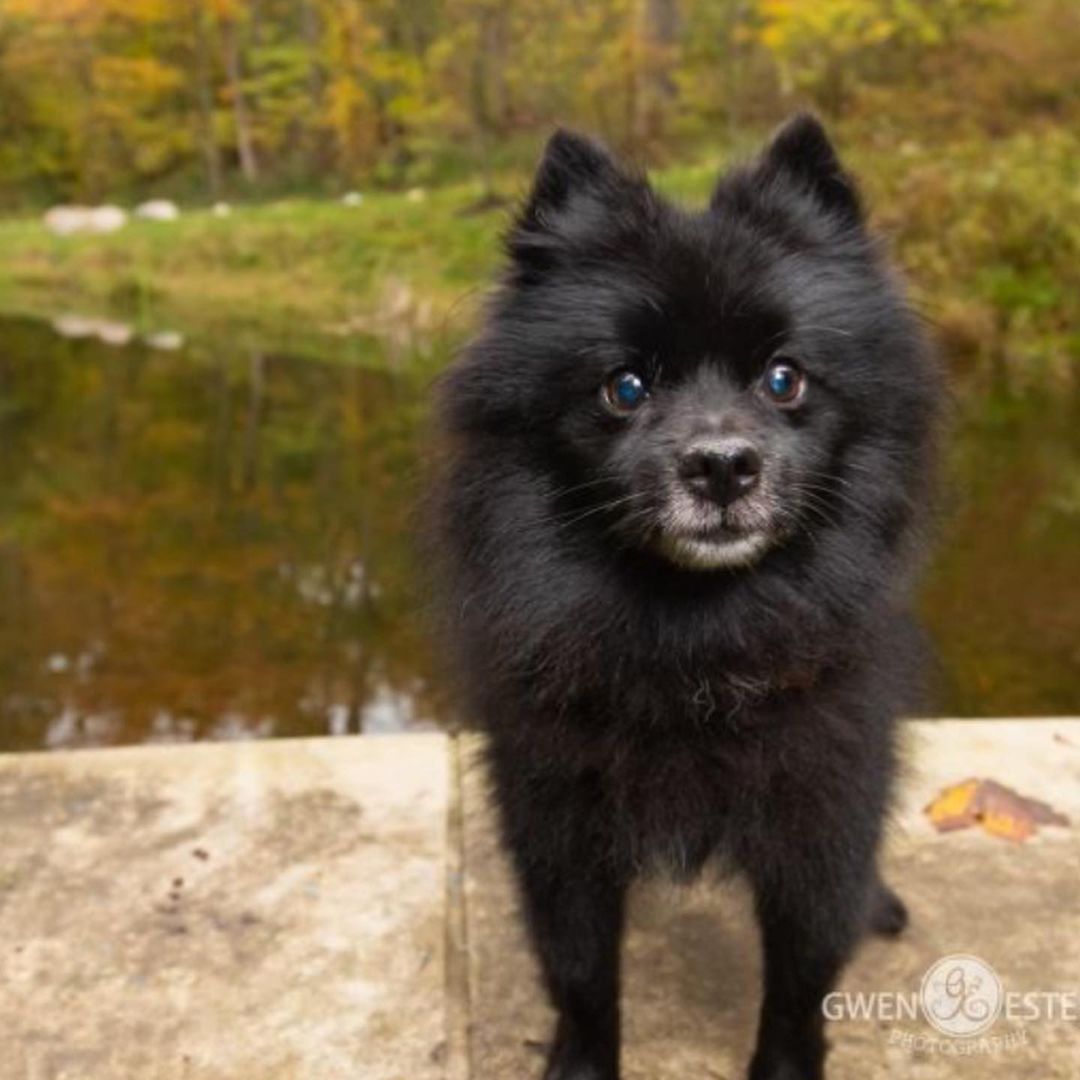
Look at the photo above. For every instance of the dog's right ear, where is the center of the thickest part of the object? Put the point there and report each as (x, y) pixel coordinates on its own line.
(801, 154)
(572, 164)
(578, 194)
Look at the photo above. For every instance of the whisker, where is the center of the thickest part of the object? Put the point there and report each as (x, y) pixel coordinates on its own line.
(611, 504)
(560, 493)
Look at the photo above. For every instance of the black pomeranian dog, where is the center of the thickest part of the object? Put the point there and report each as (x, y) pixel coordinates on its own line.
(686, 466)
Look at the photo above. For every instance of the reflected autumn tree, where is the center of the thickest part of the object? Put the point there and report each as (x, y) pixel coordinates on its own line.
(197, 545)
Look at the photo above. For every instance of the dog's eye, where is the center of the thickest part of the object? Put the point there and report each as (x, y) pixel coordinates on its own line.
(624, 392)
(784, 383)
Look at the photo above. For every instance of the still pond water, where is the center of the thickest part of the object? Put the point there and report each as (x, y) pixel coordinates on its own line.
(201, 546)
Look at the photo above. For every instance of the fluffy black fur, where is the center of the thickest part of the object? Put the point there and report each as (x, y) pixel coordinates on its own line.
(669, 674)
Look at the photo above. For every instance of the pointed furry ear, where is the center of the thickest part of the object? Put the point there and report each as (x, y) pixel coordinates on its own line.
(801, 151)
(570, 163)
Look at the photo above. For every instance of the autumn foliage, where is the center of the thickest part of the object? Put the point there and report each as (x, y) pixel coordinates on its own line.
(104, 97)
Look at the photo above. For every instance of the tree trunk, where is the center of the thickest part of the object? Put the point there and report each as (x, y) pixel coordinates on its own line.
(256, 393)
(310, 31)
(486, 89)
(312, 133)
(204, 97)
(735, 63)
(234, 70)
(656, 92)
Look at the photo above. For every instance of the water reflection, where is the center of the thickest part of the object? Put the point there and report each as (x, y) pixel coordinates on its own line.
(1003, 593)
(199, 545)
(202, 546)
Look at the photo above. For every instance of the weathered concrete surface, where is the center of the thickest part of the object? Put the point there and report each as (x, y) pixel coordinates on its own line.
(331, 908)
(230, 912)
(692, 970)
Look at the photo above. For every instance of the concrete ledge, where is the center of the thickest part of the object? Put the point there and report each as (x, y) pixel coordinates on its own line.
(247, 910)
(322, 909)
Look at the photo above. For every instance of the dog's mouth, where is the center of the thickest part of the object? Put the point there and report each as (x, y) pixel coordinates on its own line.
(713, 550)
(701, 536)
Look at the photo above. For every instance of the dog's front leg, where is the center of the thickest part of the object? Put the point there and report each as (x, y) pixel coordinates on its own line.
(574, 901)
(577, 927)
(812, 915)
(575, 917)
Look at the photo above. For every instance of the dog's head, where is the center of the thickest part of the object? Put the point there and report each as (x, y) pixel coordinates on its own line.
(705, 386)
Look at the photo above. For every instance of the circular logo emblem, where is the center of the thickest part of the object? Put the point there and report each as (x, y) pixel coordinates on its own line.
(961, 996)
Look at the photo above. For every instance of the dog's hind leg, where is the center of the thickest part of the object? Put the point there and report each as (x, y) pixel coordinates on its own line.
(888, 913)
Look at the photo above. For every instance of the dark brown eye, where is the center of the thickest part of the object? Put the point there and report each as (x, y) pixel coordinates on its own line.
(784, 383)
(624, 392)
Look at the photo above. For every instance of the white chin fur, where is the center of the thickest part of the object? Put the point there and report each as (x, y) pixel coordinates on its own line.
(714, 554)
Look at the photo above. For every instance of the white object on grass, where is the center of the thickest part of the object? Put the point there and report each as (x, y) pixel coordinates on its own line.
(158, 210)
(167, 340)
(71, 220)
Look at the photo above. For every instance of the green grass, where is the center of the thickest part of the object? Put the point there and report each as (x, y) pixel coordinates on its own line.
(989, 233)
(393, 268)
(386, 268)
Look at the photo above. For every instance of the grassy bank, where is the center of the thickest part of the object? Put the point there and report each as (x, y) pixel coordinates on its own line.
(391, 267)
(988, 231)
(400, 268)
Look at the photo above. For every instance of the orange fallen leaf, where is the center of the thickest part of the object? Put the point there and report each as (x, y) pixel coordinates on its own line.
(1007, 826)
(998, 809)
(952, 808)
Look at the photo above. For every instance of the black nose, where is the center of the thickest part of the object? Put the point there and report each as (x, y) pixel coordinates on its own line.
(721, 471)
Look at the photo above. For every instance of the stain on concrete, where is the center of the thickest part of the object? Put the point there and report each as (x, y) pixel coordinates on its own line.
(225, 912)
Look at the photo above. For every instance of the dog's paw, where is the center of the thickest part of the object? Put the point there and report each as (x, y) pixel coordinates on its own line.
(783, 1070)
(568, 1061)
(575, 1070)
(889, 914)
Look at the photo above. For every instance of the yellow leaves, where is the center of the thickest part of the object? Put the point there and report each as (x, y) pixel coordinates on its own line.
(778, 10)
(227, 10)
(998, 809)
(949, 810)
(345, 84)
(53, 10)
(815, 31)
(350, 115)
(880, 30)
(774, 36)
(88, 13)
(142, 77)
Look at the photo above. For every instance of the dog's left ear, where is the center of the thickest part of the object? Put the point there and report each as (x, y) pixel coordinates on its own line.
(571, 164)
(801, 153)
(578, 184)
